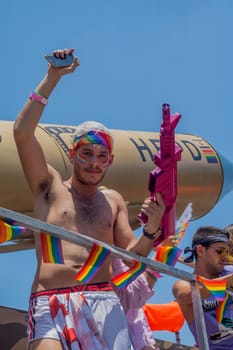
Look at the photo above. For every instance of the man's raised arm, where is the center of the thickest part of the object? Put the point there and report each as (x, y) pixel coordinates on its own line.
(29, 150)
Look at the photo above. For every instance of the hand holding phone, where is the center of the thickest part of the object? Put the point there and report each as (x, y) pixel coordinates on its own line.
(59, 61)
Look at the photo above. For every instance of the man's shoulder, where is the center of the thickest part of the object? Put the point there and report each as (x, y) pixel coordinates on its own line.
(53, 171)
(181, 283)
(180, 288)
(110, 192)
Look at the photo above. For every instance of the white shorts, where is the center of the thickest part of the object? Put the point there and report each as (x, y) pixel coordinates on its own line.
(108, 330)
(110, 318)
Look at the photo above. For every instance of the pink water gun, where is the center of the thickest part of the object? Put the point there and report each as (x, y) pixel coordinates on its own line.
(163, 178)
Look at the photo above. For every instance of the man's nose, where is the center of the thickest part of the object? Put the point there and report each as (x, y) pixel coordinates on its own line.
(94, 161)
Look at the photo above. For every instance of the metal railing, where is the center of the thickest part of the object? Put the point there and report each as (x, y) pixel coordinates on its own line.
(80, 239)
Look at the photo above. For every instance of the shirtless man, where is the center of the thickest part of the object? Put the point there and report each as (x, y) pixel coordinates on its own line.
(81, 205)
(210, 246)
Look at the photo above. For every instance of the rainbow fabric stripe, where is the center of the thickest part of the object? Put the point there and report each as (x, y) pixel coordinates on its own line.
(51, 249)
(222, 307)
(9, 232)
(167, 254)
(183, 222)
(123, 279)
(95, 260)
(95, 137)
(181, 231)
(217, 286)
(209, 155)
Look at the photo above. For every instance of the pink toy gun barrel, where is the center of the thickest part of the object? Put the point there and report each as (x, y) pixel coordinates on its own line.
(163, 178)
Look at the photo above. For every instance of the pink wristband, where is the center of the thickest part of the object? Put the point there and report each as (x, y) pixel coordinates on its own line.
(35, 96)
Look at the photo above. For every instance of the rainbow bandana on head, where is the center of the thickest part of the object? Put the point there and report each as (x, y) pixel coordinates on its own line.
(93, 137)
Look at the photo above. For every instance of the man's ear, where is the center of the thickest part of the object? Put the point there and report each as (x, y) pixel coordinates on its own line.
(110, 159)
(199, 249)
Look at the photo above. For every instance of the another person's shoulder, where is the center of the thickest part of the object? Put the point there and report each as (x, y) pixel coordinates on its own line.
(181, 284)
(181, 287)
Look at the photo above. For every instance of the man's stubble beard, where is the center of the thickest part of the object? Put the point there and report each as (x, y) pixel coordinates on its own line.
(83, 181)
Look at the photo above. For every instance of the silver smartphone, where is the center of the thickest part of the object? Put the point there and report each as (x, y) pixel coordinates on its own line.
(60, 62)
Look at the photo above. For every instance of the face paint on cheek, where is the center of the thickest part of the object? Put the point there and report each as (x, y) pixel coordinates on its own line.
(105, 164)
(80, 159)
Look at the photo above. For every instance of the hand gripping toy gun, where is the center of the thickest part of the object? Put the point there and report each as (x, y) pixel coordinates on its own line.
(163, 178)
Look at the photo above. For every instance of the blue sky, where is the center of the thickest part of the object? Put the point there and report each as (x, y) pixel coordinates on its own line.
(134, 56)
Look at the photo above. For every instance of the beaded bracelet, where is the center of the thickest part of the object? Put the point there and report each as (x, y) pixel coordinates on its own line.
(37, 97)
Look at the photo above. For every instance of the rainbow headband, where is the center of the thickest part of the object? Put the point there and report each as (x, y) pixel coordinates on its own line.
(94, 137)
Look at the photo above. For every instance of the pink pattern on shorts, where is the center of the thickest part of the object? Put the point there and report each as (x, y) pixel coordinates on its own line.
(74, 322)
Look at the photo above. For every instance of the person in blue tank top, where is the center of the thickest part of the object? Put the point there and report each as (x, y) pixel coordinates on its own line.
(210, 249)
